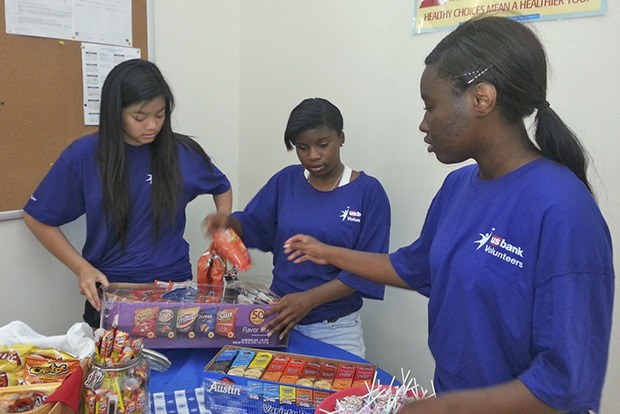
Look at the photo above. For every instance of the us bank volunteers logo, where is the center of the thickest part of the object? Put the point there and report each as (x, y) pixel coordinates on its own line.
(351, 215)
(497, 246)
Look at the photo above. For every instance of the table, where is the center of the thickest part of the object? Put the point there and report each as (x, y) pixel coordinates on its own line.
(179, 389)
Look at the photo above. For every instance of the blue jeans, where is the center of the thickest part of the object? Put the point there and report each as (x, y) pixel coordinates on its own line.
(345, 333)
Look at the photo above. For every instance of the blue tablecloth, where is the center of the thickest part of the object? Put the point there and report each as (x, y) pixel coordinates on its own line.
(179, 389)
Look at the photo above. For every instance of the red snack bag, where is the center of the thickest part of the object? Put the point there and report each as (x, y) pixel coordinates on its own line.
(145, 321)
(276, 368)
(226, 322)
(363, 375)
(211, 267)
(210, 277)
(344, 377)
(326, 376)
(292, 372)
(309, 374)
(230, 246)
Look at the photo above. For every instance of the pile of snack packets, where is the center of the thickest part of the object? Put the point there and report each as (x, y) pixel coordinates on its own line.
(117, 382)
(175, 310)
(288, 368)
(29, 375)
(218, 309)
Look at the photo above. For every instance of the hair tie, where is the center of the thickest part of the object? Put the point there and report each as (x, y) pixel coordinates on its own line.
(542, 105)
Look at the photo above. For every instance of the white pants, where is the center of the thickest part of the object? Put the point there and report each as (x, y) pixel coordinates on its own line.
(346, 333)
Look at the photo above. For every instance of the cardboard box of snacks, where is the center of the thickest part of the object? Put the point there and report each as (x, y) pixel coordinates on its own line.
(187, 315)
(240, 380)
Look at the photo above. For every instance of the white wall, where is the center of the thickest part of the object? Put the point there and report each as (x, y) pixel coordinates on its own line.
(363, 57)
(237, 69)
(197, 50)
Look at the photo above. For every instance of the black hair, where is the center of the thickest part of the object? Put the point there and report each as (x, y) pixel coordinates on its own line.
(311, 113)
(509, 55)
(130, 82)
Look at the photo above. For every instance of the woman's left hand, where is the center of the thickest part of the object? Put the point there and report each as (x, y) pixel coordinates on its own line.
(291, 309)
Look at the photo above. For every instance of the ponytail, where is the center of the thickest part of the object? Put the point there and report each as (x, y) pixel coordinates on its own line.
(559, 143)
(509, 55)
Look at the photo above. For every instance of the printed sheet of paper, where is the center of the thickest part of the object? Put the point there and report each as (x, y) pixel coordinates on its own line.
(97, 62)
(100, 21)
(44, 18)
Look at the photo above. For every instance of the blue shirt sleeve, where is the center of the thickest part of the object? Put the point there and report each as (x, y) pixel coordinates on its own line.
(59, 198)
(572, 306)
(200, 176)
(259, 219)
(412, 262)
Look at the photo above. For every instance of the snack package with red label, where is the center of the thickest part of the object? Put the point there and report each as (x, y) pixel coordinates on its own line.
(211, 271)
(26, 397)
(211, 268)
(230, 246)
(40, 369)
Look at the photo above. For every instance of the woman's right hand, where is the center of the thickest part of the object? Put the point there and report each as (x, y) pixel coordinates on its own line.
(215, 223)
(87, 280)
(301, 247)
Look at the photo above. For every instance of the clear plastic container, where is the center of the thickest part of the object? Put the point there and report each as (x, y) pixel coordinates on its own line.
(117, 389)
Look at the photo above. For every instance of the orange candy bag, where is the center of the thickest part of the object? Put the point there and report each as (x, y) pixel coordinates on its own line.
(210, 277)
(230, 246)
(211, 268)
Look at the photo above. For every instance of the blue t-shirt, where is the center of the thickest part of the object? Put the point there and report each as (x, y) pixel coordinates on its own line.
(355, 216)
(73, 187)
(520, 280)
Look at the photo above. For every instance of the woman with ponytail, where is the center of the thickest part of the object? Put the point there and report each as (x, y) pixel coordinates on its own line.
(514, 255)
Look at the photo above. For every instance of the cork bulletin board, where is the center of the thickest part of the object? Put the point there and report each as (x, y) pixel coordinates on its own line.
(41, 104)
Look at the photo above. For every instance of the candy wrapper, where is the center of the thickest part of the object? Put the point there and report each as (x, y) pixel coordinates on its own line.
(230, 246)
(117, 381)
(212, 272)
(25, 398)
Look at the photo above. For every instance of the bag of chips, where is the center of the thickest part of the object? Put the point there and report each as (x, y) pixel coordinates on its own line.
(230, 246)
(211, 268)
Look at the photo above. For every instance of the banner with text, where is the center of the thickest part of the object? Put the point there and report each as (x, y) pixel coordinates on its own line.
(433, 15)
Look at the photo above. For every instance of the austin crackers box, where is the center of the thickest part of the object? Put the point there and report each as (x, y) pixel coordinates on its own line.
(280, 382)
(187, 315)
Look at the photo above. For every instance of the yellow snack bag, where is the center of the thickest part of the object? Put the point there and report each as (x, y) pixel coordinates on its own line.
(13, 357)
(25, 397)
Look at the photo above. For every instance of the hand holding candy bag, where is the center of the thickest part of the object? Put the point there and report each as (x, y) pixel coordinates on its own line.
(230, 246)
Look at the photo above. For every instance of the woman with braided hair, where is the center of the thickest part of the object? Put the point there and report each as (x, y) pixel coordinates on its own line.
(514, 255)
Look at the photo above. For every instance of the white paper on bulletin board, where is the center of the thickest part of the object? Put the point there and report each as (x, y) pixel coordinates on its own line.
(97, 62)
(100, 21)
